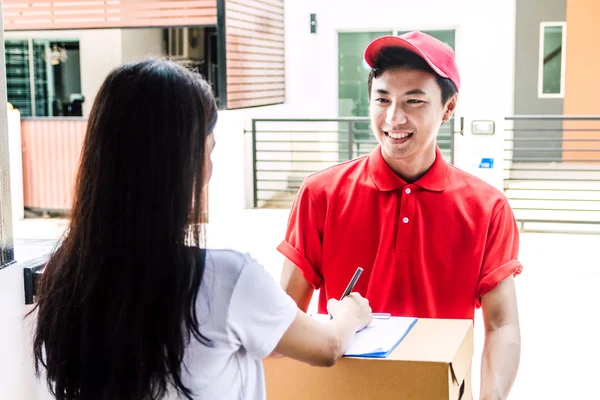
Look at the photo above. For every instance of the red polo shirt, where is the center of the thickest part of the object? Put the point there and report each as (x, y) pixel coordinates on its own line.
(429, 249)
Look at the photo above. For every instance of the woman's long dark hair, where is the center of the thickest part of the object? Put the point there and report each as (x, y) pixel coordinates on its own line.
(116, 304)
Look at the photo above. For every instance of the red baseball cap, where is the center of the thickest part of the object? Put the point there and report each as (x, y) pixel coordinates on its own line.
(437, 54)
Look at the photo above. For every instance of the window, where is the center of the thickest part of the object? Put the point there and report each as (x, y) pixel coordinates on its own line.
(198, 46)
(43, 77)
(551, 76)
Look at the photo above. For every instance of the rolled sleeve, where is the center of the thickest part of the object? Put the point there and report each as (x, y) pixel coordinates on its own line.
(303, 239)
(500, 259)
(310, 273)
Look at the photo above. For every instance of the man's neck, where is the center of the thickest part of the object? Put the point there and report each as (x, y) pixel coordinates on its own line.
(413, 168)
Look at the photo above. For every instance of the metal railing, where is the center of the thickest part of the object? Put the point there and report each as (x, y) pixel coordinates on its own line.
(286, 151)
(552, 169)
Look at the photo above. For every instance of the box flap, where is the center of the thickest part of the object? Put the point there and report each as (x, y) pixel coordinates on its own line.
(433, 340)
(461, 363)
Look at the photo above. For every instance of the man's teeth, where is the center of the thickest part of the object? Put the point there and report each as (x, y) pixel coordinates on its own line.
(399, 135)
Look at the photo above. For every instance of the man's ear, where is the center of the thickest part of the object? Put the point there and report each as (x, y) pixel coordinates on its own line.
(449, 107)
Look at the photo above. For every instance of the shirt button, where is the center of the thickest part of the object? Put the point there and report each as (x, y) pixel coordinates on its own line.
(405, 220)
(407, 191)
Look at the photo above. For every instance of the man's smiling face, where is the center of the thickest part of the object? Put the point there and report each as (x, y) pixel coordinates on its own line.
(406, 112)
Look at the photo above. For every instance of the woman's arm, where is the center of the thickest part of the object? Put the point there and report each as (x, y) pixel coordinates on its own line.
(323, 343)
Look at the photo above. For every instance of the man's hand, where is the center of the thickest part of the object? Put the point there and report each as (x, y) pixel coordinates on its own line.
(502, 348)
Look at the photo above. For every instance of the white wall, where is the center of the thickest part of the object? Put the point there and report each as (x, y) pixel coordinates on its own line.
(484, 50)
(17, 374)
(137, 44)
(99, 50)
(230, 189)
(16, 377)
(15, 160)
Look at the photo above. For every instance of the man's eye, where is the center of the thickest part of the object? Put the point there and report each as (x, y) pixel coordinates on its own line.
(381, 100)
(413, 101)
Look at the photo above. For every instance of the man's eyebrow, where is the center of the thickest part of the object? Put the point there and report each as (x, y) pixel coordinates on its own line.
(414, 91)
(410, 92)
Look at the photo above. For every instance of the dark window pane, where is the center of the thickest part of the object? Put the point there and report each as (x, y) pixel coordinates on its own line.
(17, 75)
(552, 62)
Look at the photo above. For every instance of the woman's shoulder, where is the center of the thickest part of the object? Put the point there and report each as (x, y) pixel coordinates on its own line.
(226, 266)
(223, 269)
(228, 262)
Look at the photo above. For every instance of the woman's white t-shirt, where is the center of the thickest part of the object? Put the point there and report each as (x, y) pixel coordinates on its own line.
(244, 312)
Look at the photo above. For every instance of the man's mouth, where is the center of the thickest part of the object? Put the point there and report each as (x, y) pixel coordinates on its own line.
(398, 135)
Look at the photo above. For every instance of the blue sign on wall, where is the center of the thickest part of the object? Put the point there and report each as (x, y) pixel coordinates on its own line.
(486, 163)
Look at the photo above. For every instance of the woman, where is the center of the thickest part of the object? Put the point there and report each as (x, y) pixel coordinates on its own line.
(130, 305)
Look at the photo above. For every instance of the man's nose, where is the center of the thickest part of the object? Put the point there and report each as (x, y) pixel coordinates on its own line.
(395, 116)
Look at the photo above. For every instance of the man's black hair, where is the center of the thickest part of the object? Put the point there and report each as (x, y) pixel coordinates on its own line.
(398, 57)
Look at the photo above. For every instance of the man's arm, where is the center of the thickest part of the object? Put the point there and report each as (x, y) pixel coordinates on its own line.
(502, 348)
(296, 285)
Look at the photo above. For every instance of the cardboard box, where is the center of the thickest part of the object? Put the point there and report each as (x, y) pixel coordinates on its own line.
(432, 362)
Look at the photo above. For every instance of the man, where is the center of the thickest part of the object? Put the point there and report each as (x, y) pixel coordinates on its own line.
(434, 241)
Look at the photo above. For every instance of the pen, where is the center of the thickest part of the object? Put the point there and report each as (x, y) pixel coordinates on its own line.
(351, 284)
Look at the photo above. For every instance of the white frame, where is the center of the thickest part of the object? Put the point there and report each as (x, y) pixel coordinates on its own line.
(563, 60)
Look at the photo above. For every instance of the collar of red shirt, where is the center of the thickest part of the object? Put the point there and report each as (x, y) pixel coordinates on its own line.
(385, 179)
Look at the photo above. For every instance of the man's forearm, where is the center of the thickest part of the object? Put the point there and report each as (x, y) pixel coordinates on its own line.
(295, 285)
(500, 362)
